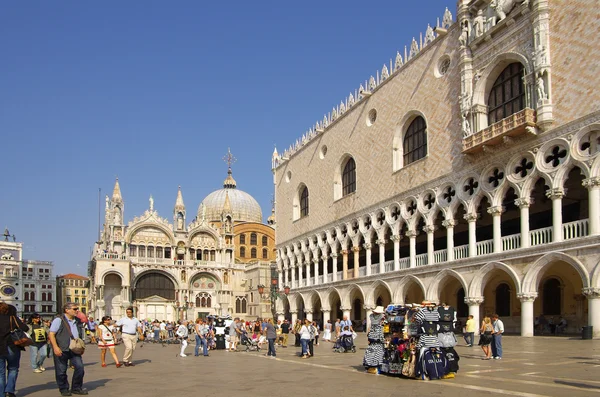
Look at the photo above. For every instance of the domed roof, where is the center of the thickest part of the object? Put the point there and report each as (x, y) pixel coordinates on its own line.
(242, 206)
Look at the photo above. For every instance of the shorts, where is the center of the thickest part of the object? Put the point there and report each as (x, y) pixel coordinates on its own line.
(233, 338)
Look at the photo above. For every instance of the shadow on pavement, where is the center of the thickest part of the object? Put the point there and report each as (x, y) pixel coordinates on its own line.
(575, 384)
(39, 387)
(95, 384)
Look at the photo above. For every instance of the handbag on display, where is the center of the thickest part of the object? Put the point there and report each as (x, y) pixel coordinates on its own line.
(76, 345)
(19, 337)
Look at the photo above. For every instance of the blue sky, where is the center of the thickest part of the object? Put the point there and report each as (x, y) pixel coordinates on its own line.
(155, 92)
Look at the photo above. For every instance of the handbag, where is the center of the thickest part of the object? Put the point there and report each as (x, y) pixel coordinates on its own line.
(76, 345)
(19, 337)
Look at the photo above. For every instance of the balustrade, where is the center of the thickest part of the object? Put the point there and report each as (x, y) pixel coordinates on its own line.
(485, 247)
(389, 266)
(461, 252)
(404, 263)
(511, 242)
(362, 271)
(421, 259)
(440, 256)
(375, 269)
(576, 229)
(541, 236)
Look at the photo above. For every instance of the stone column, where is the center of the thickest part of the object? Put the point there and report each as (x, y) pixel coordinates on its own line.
(412, 235)
(556, 196)
(335, 266)
(527, 318)
(293, 274)
(285, 276)
(523, 204)
(309, 314)
(593, 297)
(356, 250)
(368, 253)
(344, 264)
(472, 219)
(280, 317)
(396, 239)
(381, 244)
(368, 310)
(324, 258)
(307, 267)
(429, 229)
(316, 267)
(593, 186)
(280, 278)
(449, 225)
(474, 303)
(496, 213)
(326, 317)
(294, 314)
(346, 312)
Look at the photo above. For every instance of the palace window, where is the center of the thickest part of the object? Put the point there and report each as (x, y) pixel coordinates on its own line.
(132, 250)
(49, 296)
(349, 177)
(304, 202)
(168, 252)
(32, 296)
(150, 252)
(159, 252)
(265, 254)
(253, 239)
(44, 296)
(507, 95)
(265, 241)
(242, 252)
(415, 141)
(142, 252)
(242, 239)
(253, 253)
(240, 304)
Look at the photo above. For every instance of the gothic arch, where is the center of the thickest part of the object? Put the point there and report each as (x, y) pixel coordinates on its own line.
(596, 276)
(348, 291)
(533, 275)
(131, 232)
(109, 272)
(398, 296)
(162, 272)
(293, 300)
(398, 140)
(326, 297)
(433, 291)
(483, 275)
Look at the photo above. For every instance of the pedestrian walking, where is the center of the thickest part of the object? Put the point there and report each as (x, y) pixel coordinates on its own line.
(91, 324)
(202, 334)
(327, 331)
(296, 331)
(62, 330)
(130, 329)
(285, 332)
(39, 349)
(182, 333)
(106, 341)
(10, 355)
(469, 334)
(497, 337)
(304, 334)
(271, 335)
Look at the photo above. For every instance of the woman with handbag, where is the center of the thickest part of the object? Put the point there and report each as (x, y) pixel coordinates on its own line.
(106, 340)
(12, 330)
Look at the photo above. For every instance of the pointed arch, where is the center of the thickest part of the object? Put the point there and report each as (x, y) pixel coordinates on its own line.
(370, 296)
(348, 291)
(535, 271)
(483, 275)
(399, 292)
(433, 292)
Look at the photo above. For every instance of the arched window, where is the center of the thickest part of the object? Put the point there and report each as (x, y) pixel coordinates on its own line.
(415, 141)
(253, 253)
(552, 297)
(507, 95)
(265, 241)
(253, 240)
(503, 300)
(304, 202)
(242, 252)
(32, 296)
(26, 296)
(242, 239)
(43, 296)
(349, 177)
(265, 253)
(240, 304)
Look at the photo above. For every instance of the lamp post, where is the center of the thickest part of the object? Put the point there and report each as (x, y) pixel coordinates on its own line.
(183, 308)
(274, 292)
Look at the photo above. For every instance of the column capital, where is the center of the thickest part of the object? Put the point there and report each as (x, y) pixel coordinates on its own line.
(555, 193)
(470, 217)
(591, 183)
(411, 234)
(326, 310)
(334, 255)
(355, 248)
(316, 260)
(368, 307)
(293, 311)
(429, 229)
(380, 242)
(396, 238)
(448, 223)
(325, 257)
(524, 202)
(345, 309)
(474, 300)
(527, 296)
(344, 252)
(368, 246)
(308, 310)
(495, 211)
(591, 293)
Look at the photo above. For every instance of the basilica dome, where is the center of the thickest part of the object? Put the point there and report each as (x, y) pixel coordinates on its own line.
(240, 204)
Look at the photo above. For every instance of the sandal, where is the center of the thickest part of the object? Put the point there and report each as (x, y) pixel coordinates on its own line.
(119, 365)
(104, 364)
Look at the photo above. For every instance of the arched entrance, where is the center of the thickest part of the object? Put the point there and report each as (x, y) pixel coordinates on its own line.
(154, 294)
(335, 303)
(500, 297)
(413, 292)
(357, 301)
(112, 295)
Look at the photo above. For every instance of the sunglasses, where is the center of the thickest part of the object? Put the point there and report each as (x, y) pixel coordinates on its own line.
(74, 308)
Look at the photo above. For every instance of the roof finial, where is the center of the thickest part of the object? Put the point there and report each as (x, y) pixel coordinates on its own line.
(229, 181)
(116, 196)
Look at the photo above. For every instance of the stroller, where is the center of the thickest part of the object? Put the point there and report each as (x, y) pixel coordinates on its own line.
(249, 343)
(344, 344)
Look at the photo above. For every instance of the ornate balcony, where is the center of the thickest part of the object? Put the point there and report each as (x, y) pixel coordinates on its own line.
(516, 124)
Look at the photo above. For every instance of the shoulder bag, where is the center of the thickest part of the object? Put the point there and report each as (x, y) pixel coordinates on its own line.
(76, 345)
(19, 337)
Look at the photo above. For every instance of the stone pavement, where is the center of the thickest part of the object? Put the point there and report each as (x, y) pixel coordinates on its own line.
(540, 366)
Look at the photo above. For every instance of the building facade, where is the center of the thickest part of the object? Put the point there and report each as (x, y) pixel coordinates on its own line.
(11, 257)
(73, 288)
(168, 271)
(39, 288)
(466, 171)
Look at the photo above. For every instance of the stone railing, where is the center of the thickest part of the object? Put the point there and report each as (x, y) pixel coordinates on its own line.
(513, 125)
(106, 255)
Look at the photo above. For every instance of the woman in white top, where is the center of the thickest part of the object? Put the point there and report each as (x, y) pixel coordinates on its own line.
(305, 338)
(327, 331)
(106, 340)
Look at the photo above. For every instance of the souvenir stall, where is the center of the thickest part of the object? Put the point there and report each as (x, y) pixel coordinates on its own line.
(419, 341)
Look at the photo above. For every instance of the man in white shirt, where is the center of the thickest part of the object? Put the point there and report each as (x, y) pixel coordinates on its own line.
(182, 332)
(130, 328)
(497, 337)
(346, 322)
(163, 330)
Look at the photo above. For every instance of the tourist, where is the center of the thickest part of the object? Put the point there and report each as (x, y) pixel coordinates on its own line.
(338, 328)
(469, 335)
(285, 331)
(296, 331)
(170, 330)
(562, 325)
(542, 323)
(162, 330)
(374, 353)
(304, 335)
(130, 328)
(497, 337)
(327, 331)
(182, 333)
(106, 340)
(39, 349)
(235, 331)
(485, 339)
(317, 332)
(271, 335)
(10, 355)
(156, 331)
(91, 324)
(62, 330)
(202, 333)
(313, 333)
(346, 322)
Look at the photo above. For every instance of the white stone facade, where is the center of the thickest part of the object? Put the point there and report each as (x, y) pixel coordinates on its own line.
(468, 172)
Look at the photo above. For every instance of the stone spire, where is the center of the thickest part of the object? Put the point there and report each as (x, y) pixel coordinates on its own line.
(179, 205)
(227, 204)
(116, 196)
